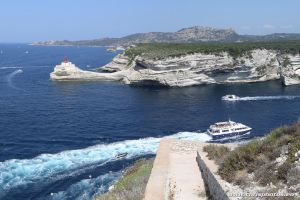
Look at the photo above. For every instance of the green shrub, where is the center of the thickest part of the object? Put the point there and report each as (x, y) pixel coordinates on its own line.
(229, 167)
(293, 149)
(216, 152)
(283, 170)
(266, 175)
(258, 156)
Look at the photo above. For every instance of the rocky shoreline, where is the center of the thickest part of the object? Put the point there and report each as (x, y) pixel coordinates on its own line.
(257, 65)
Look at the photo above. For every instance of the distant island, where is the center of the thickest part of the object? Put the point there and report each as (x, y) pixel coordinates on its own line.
(196, 34)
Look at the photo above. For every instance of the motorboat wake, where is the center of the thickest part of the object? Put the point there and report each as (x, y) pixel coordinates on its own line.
(234, 98)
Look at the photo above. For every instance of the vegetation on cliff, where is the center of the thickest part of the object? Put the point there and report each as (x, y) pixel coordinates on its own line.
(133, 183)
(163, 50)
(273, 159)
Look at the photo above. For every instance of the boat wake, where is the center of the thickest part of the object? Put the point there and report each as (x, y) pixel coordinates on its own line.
(87, 188)
(11, 67)
(266, 98)
(45, 168)
(10, 78)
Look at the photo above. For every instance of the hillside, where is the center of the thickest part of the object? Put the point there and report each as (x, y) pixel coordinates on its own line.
(270, 164)
(132, 184)
(196, 34)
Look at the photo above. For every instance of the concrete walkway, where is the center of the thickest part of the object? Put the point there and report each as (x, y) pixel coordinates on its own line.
(175, 174)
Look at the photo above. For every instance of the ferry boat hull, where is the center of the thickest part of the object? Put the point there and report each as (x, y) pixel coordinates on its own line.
(229, 134)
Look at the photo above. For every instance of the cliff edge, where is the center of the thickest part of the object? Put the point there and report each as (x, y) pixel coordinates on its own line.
(145, 66)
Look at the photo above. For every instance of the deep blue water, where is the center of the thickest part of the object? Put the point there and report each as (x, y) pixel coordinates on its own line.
(62, 138)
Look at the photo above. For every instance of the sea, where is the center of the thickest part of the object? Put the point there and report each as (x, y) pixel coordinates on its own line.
(59, 140)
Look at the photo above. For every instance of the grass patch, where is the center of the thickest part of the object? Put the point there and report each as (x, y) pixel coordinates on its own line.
(163, 50)
(133, 183)
(258, 156)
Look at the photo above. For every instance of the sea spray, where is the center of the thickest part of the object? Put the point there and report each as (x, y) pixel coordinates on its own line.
(18, 172)
(86, 189)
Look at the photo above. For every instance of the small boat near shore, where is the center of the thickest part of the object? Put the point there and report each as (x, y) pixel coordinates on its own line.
(111, 49)
(121, 155)
(227, 129)
(230, 97)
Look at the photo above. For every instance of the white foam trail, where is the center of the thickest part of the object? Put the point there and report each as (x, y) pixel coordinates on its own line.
(32, 66)
(88, 188)
(38, 66)
(18, 172)
(11, 67)
(11, 76)
(264, 98)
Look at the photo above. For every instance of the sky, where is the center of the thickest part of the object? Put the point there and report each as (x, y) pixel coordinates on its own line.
(40, 20)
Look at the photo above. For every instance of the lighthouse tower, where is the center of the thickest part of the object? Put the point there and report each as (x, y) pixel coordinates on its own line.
(65, 68)
(66, 60)
(66, 65)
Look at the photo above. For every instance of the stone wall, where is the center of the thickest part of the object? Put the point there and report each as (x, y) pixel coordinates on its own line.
(214, 188)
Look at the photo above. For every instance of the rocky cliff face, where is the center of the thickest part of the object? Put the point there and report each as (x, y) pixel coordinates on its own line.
(290, 72)
(194, 69)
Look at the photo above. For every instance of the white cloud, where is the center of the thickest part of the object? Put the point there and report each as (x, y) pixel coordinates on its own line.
(268, 26)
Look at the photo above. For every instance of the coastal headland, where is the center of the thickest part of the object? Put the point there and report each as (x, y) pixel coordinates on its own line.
(179, 65)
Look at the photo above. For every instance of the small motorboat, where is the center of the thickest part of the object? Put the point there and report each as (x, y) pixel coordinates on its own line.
(227, 129)
(121, 155)
(111, 49)
(230, 97)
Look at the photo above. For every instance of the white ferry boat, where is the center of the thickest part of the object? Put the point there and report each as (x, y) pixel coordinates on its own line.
(230, 97)
(227, 129)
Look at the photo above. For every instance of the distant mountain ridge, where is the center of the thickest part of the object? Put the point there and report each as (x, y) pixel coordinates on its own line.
(196, 34)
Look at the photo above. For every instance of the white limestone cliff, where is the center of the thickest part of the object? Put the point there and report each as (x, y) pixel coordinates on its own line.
(194, 69)
(291, 69)
(67, 71)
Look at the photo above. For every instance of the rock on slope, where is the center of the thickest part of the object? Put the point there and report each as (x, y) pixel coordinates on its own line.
(194, 69)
